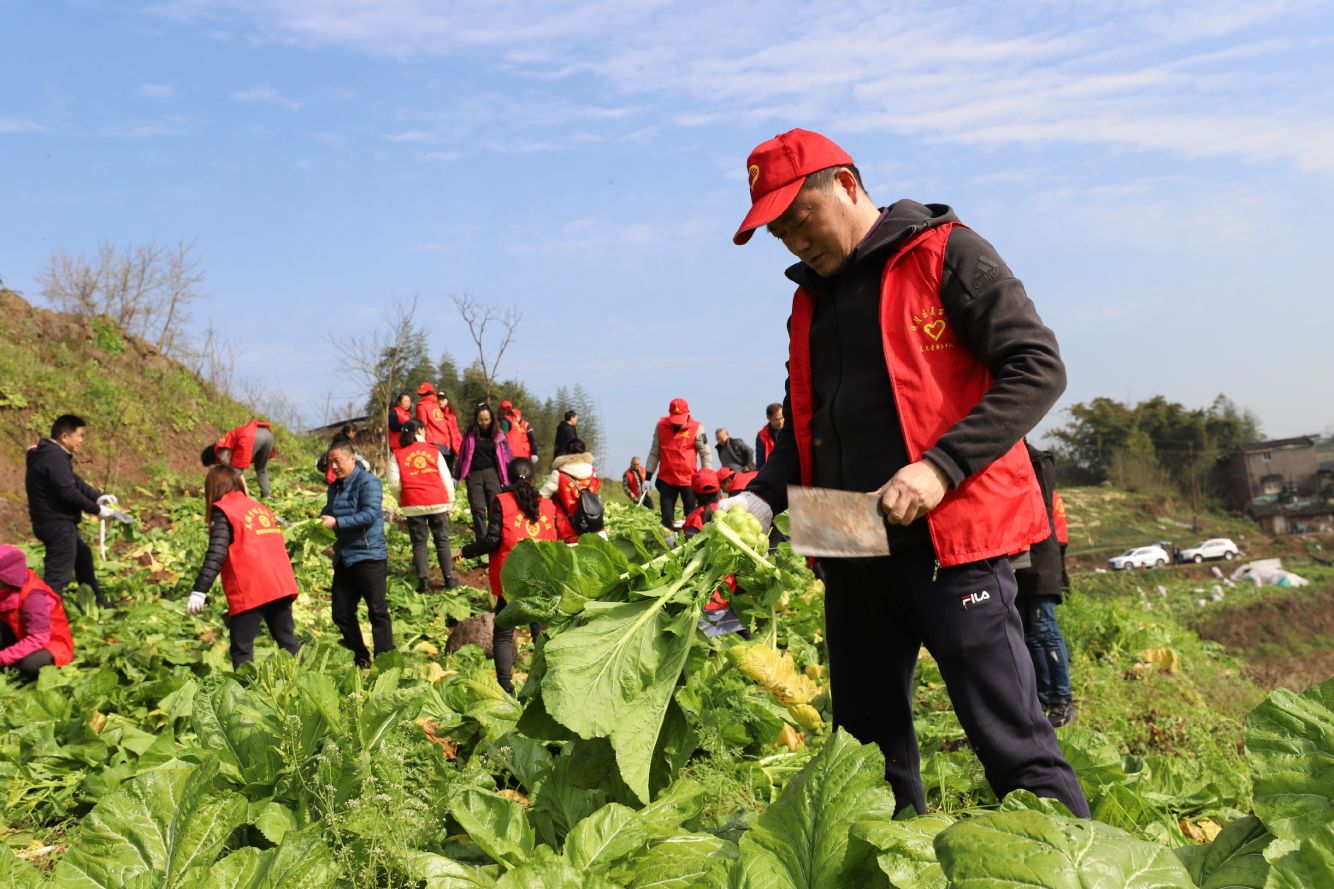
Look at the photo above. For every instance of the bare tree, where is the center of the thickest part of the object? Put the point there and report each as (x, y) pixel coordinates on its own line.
(479, 317)
(215, 361)
(146, 289)
(371, 361)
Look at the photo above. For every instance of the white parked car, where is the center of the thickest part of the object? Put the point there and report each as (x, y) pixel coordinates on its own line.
(1213, 548)
(1140, 557)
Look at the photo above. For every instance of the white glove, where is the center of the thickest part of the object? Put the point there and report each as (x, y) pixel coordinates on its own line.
(106, 511)
(536, 459)
(196, 603)
(107, 500)
(753, 505)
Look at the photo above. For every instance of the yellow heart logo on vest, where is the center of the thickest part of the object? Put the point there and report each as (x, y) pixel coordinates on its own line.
(935, 328)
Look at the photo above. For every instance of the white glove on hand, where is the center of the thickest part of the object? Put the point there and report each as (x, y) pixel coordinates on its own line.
(107, 500)
(196, 603)
(753, 505)
(106, 511)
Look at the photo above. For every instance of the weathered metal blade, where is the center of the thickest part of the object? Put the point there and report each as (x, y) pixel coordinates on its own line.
(839, 524)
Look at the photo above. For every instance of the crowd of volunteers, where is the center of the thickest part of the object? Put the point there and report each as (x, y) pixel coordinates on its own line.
(917, 365)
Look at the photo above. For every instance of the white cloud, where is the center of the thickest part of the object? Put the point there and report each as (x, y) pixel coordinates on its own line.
(1227, 78)
(19, 125)
(158, 91)
(147, 129)
(265, 95)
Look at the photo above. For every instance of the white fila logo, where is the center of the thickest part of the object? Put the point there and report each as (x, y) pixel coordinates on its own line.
(973, 599)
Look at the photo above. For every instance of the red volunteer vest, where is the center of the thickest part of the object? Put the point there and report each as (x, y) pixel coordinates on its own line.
(241, 440)
(766, 437)
(695, 521)
(403, 416)
(515, 526)
(632, 482)
(568, 489)
(936, 381)
(518, 435)
(740, 480)
(257, 569)
(61, 643)
(676, 451)
(1058, 518)
(441, 427)
(419, 470)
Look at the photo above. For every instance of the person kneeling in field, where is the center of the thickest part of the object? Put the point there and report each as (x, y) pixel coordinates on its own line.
(245, 546)
(34, 630)
(517, 513)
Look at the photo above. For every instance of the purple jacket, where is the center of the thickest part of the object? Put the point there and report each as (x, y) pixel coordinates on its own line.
(34, 625)
(503, 456)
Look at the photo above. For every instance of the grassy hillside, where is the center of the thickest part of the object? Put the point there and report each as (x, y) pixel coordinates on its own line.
(149, 415)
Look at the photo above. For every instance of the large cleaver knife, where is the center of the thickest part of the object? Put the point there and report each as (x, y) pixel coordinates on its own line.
(838, 524)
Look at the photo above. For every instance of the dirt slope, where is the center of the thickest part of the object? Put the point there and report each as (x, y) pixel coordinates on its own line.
(149, 416)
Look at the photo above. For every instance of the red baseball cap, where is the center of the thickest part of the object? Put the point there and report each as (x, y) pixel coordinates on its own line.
(705, 481)
(425, 389)
(506, 405)
(777, 169)
(678, 408)
(724, 473)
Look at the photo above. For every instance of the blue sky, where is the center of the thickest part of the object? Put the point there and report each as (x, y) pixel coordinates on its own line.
(1158, 174)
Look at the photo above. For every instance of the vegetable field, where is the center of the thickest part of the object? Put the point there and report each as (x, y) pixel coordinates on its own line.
(639, 752)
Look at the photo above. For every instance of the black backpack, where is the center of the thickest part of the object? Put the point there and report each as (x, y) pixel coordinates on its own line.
(587, 515)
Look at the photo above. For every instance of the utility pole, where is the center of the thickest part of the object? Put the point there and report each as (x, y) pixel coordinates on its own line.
(1194, 518)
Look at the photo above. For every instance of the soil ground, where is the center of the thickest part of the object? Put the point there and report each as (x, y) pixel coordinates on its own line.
(1286, 641)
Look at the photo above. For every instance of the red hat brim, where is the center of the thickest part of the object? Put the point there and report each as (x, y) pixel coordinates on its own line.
(768, 208)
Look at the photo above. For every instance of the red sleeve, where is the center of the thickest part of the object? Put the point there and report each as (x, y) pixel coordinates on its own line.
(564, 530)
(35, 627)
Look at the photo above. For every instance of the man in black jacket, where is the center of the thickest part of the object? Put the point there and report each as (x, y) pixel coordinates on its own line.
(57, 500)
(733, 453)
(565, 433)
(916, 363)
(1040, 589)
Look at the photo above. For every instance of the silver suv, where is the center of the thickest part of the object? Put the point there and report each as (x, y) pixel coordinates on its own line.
(1213, 548)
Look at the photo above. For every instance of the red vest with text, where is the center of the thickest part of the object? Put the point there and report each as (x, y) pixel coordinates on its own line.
(520, 446)
(419, 470)
(515, 526)
(766, 439)
(568, 489)
(257, 569)
(1058, 518)
(241, 440)
(61, 643)
(403, 415)
(936, 381)
(676, 451)
(441, 427)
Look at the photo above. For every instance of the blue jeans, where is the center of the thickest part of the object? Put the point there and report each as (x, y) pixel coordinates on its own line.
(1046, 645)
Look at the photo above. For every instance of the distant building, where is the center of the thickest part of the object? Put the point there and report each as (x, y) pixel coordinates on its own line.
(1279, 483)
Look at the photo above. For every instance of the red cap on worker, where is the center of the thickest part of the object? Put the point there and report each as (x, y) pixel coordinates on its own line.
(777, 169)
(425, 389)
(507, 405)
(678, 408)
(724, 473)
(705, 481)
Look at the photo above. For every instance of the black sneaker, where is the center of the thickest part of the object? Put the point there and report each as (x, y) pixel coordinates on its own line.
(1062, 713)
(421, 584)
(451, 582)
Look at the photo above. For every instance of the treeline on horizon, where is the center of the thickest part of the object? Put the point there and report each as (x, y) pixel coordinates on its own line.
(1157, 447)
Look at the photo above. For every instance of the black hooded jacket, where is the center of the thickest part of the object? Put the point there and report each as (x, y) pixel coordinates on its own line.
(857, 442)
(55, 493)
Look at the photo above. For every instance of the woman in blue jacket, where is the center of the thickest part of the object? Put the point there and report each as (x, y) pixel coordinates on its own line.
(361, 556)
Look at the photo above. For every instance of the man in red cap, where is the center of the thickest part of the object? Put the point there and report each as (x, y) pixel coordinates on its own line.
(678, 441)
(916, 364)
